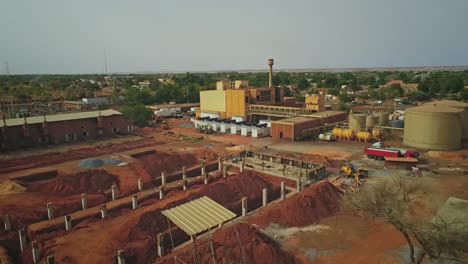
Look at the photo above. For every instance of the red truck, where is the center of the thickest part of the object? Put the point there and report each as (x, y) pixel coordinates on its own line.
(381, 153)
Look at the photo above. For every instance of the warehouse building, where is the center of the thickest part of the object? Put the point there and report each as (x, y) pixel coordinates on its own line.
(54, 129)
(301, 127)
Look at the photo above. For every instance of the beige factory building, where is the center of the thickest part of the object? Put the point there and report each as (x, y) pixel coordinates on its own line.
(438, 125)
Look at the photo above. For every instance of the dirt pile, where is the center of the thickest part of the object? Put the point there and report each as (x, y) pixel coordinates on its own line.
(81, 182)
(312, 204)
(256, 248)
(156, 163)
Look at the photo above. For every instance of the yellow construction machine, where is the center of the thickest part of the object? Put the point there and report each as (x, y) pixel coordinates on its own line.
(349, 171)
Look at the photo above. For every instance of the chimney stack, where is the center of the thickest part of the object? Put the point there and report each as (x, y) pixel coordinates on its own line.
(270, 75)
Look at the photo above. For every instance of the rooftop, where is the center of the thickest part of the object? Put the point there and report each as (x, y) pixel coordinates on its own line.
(325, 114)
(198, 215)
(59, 117)
(433, 107)
(293, 120)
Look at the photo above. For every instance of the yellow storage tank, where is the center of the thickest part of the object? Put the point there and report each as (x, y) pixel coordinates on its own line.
(434, 127)
(363, 136)
(347, 134)
(337, 132)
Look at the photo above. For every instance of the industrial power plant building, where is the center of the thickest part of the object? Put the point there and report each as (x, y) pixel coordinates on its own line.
(438, 125)
(55, 129)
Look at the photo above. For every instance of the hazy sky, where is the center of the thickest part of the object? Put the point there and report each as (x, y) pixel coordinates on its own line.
(64, 36)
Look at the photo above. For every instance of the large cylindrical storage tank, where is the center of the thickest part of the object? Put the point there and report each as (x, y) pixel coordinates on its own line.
(433, 127)
(383, 119)
(371, 121)
(458, 105)
(357, 122)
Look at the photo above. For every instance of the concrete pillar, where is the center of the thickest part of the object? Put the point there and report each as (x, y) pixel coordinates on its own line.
(283, 190)
(241, 166)
(35, 252)
(22, 239)
(265, 196)
(160, 242)
(50, 211)
(205, 178)
(103, 211)
(224, 172)
(140, 185)
(121, 257)
(134, 201)
(220, 164)
(7, 222)
(299, 184)
(184, 173)
(50, 260)
(68, 222)
(244, 206)
(284, 169)
(161, 194)
(203, 169)
(163, 178)
(84, 202)
(184, 185)
(114, 192)
(271, 159)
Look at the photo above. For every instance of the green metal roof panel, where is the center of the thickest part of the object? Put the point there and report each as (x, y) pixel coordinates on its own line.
(58, 117)
(199, 215)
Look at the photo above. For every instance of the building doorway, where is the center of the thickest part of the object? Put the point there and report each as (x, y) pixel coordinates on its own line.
(281, 135)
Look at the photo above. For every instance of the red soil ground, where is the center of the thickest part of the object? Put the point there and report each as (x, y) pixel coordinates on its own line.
(256, 247)
(155, 164)
(43, 160)
(97, 240)
(82, 182)
(312, 204)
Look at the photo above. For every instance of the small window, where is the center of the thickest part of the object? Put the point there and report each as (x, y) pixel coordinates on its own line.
(82, 127)
(84, 134)
(115, 130)
(246, 99)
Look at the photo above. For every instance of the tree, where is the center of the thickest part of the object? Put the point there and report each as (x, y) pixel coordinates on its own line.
(418, 96)
(139, 114)
(403, 202)
(464, 95)
(303, 84)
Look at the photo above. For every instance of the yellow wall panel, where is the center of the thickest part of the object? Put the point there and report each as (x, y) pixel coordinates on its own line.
(213, 101)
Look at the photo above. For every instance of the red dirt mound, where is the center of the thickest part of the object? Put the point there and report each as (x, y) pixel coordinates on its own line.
(81, 182)
(156, 163)
(256, 248)
(312, 204)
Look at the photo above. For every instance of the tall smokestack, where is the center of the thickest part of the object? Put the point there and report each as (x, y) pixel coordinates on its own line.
(270, 75)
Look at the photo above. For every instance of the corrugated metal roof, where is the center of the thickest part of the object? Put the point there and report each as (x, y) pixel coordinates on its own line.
(59, 117)
(199, 215)
(293, 120)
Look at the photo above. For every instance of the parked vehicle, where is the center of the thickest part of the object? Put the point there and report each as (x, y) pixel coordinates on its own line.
(167, 112)
(381, 153)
